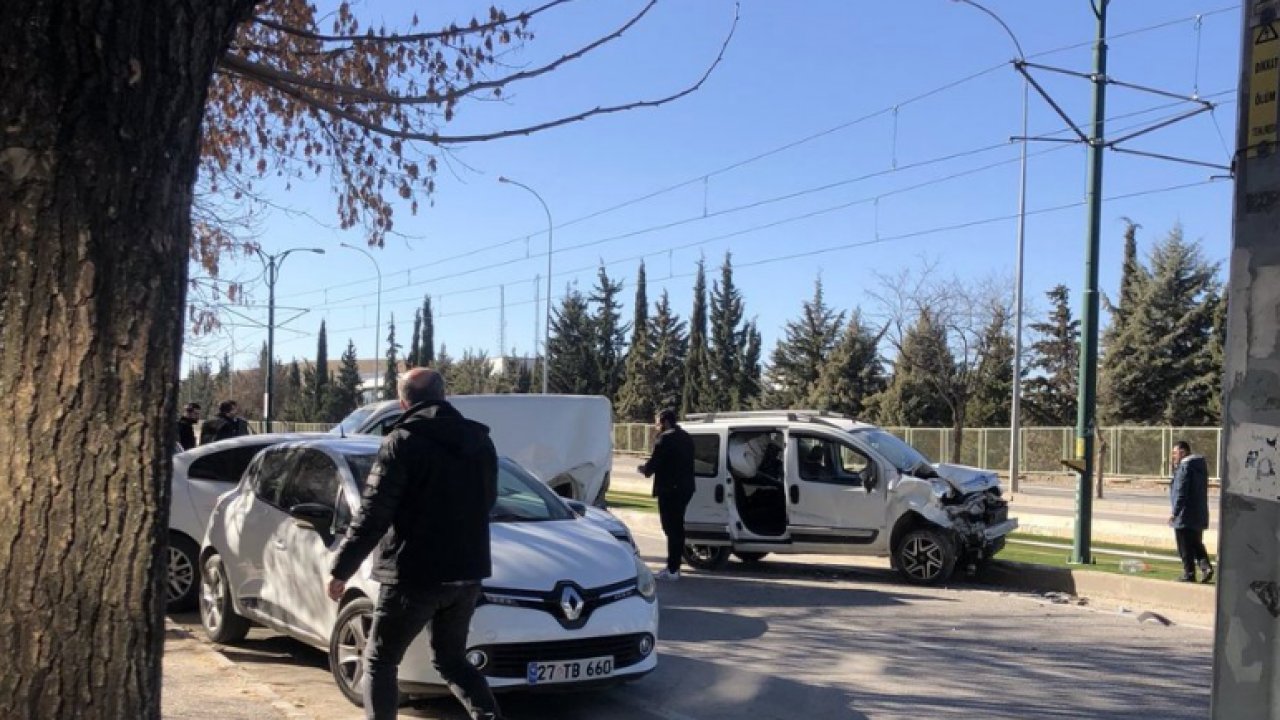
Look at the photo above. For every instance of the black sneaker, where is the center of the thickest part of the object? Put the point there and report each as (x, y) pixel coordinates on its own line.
(1208, 575)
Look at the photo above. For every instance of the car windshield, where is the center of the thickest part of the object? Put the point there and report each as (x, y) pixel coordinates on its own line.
(352, 422)
(523, 498)
(903, 456)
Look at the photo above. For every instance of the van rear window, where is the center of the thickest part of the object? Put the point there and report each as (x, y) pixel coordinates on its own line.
(706, 455)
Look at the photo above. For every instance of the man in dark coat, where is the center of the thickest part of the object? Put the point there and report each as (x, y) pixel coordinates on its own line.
(426, 507)
(226, 424)
(187, 425)
(671, 466)
(1189, 496)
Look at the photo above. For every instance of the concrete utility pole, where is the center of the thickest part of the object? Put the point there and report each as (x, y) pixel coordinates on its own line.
(1086, 413)
(1246, 653)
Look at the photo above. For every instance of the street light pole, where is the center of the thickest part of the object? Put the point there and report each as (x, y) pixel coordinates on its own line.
(546, 329)
(1015, 408)
(271, 264)
(377, 318)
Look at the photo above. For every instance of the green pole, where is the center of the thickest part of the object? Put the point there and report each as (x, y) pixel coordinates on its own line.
(1086, 407)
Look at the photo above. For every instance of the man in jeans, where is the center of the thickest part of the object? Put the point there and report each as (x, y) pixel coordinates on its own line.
(427, 501)
(671, 466)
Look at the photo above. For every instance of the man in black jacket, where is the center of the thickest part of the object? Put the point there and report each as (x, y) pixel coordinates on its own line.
(187, 425)
(225, 425)
(671, 466)
(1189, 496)
(426, 505)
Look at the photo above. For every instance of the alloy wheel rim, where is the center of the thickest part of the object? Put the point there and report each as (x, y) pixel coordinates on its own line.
(922, 558)
(182, 574)
(352, 638)
(210, 597)
(703, 552)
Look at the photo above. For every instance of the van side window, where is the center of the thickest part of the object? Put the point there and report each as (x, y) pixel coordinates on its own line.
(706, 455)
(828, 461)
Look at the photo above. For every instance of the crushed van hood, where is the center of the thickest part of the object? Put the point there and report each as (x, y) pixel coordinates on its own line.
(967, 479)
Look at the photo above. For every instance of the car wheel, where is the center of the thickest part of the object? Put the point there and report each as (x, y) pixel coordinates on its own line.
(182, 587)
(218, 616)
(925, 557)
(346, 648)
(706, 557)
(750, 558)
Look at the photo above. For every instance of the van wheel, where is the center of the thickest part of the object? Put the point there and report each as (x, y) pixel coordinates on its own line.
(750, 558)
(706, 557)
(925, 556)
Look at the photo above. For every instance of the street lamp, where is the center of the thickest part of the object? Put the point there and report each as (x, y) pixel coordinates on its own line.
(377, 318)
(1015, 410)
(271, 265)
(546, 329)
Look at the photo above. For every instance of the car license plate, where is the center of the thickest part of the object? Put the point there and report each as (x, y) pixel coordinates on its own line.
(542, 673)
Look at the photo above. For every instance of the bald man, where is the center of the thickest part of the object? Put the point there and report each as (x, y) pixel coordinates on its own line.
(426, 506)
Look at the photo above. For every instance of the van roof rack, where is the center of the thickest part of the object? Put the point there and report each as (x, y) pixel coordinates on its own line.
(791, 415)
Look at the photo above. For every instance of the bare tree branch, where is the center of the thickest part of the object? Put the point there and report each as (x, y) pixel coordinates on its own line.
(450, 32)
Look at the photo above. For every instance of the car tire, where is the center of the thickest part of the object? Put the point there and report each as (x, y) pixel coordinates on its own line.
(346, 648)
(182, 580)
(217, 613)
(750, 558)
(706, 557)
(925, 556)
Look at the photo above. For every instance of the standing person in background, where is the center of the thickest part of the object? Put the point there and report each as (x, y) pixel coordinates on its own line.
(226, 424)
(187, 425)
(671, 467)
(1189, 497)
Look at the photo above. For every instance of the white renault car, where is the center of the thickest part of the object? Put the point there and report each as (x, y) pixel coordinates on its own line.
(568, 604)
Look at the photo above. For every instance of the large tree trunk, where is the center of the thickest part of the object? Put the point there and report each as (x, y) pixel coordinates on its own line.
(100, 108)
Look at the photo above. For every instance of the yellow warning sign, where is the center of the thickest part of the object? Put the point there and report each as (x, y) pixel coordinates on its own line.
(1264, 83)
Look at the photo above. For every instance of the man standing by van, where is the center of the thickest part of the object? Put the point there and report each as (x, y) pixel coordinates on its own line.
(671, 466)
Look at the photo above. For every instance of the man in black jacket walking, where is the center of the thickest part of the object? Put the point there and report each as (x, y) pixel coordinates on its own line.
(426, 505)
(671, 466)
(1189, 496)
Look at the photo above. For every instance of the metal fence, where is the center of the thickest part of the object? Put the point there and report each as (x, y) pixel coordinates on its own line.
(256, 426)
(1137, 452)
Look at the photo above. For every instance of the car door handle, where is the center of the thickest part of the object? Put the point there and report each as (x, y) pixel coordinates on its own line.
(795, 494)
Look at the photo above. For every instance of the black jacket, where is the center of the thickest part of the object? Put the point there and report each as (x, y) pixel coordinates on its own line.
(427, 499)
(1189, 494)
(222, 427)
(186, 433)
(671, 464)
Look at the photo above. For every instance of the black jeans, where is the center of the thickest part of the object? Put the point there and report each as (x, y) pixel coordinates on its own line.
(1192, 551)
(671, 507)
(445, 611)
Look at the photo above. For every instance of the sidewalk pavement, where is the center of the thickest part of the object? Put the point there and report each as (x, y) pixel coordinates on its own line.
(199, 684)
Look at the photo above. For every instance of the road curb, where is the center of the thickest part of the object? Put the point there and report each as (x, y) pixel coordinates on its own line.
(1130, 590)
(286, 708)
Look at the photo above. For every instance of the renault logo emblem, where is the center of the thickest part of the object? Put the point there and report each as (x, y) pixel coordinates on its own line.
(571, 603)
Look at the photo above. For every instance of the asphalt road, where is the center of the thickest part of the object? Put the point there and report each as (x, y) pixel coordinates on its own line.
(785, 641)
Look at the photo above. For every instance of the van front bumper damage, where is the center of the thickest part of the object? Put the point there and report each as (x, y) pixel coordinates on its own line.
(981, 522)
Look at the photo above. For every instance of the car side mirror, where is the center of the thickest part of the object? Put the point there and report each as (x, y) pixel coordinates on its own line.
(577, 506)
(313, 516)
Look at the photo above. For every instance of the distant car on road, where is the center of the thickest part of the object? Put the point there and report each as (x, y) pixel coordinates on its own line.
(568, 605)
(566, 441)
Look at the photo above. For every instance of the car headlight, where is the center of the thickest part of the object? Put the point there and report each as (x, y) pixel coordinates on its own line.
(940, 488)
(645, 584)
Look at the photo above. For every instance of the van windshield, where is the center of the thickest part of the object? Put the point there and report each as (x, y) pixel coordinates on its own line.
(903, 457)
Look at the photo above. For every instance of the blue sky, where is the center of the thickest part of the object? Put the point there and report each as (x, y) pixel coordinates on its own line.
(795, 70)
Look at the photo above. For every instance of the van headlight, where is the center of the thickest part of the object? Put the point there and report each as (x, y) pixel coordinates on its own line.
(646, 586)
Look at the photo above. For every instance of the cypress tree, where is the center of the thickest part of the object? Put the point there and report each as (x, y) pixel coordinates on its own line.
(320, 389)
(799, 355)
(852, 374)
(670, 346)
(392, 372)
(426, 351)
(346, 391)
(412, 359)
(725, 343)
(697, 395)
(637, 395)
(609, 335)
(749, 384)
(1050, 395)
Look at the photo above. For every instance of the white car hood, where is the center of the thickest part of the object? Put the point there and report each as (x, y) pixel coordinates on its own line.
(967, 479)
(537, 555)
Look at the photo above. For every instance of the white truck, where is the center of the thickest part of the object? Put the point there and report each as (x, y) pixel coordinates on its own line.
(564, 440)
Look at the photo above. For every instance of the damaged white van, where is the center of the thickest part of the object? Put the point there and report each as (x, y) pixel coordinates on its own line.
(801, 481)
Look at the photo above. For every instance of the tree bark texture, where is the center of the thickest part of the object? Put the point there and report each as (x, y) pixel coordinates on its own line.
(100, 108)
